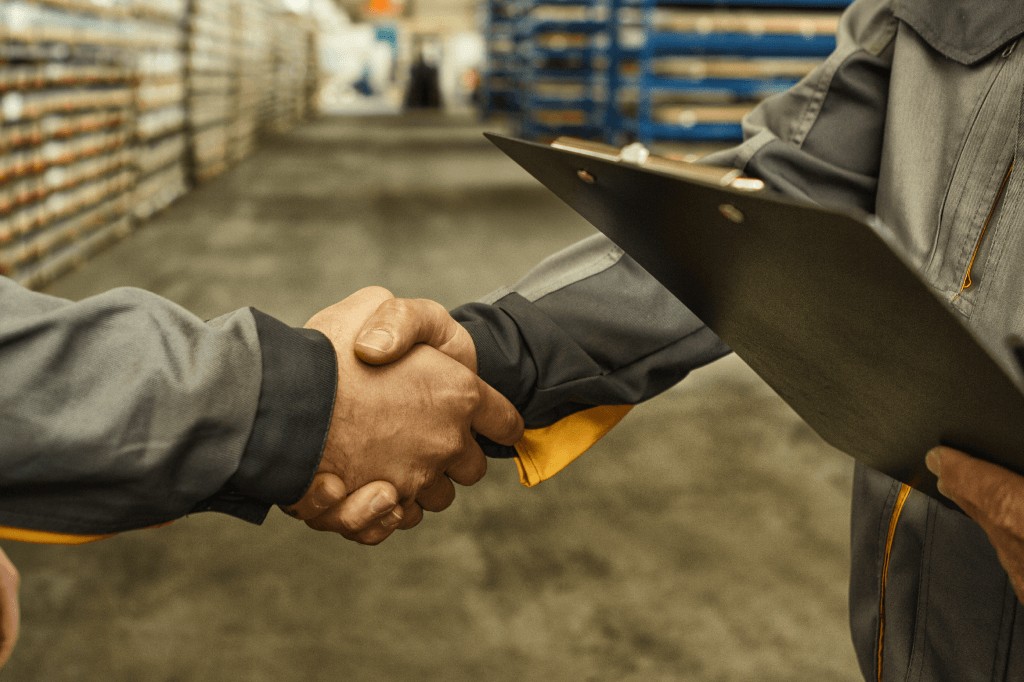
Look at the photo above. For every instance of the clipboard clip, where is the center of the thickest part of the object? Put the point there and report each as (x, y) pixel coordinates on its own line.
(638, 155)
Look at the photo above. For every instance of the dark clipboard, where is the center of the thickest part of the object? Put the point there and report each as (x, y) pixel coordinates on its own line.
(814, 300)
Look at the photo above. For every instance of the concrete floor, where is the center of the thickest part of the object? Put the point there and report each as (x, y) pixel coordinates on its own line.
(704, 539)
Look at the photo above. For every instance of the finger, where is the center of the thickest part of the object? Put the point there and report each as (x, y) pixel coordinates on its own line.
(413, 515)
(989, 493)
(400, 323)
(437, 497)
(362, 509)
(10, 612)
(496, 417)
(470, 467)
(382, 530)
(326, 491)
(373, 535)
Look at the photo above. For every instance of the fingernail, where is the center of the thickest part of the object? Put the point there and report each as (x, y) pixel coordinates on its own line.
(321, 497)
(932, 461)
(381, 502)
(392, 519)
(377, 339)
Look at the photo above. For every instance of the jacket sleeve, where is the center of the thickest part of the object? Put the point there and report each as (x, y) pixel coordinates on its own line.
(125, 411)
(588, 332)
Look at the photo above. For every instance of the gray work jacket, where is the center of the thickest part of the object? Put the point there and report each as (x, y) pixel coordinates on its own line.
(916, 117)
(124, 411)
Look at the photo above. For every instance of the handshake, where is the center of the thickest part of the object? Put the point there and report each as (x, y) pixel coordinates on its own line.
(407, 406)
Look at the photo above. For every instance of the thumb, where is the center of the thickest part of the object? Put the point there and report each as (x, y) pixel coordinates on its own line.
(984, 490)
(400, 323)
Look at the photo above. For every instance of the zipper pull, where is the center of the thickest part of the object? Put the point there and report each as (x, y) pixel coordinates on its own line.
(1008, 51)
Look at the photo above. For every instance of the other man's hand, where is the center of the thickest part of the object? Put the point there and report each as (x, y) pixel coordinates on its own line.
(367, 516)
(992, 496)
(409, 422)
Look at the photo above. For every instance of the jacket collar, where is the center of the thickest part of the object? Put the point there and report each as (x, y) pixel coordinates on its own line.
(966, 31)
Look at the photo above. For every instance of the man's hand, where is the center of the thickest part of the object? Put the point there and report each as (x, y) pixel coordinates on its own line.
(992, 496)
(409, 422)
(367, 516)
(400, 323)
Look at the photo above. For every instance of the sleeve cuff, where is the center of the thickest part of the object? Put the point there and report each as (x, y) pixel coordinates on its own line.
(300, 376)
(492, 370)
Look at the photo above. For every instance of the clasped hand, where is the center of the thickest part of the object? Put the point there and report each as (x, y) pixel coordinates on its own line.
(402, 431)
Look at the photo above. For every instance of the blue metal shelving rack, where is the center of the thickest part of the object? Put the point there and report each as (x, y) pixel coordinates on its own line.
(499, 81)
(563, 69)
(578, 87)
(660, 44)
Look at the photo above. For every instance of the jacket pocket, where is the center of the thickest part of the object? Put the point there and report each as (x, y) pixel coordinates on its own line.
(969, 216)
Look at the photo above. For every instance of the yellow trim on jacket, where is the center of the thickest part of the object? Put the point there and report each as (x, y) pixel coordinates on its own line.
(43, 537)
(544, 452)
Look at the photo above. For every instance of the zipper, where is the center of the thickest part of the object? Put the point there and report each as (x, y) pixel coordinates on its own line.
(966, 282)
(900, 501)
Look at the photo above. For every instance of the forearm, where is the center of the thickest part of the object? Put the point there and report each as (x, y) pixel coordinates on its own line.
(124, 410)
(586, 327)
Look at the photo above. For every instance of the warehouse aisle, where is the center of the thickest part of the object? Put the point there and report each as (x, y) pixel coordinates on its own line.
(705, 538)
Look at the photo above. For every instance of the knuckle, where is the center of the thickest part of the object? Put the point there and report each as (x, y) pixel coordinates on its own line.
(451, 444)
(443, 332)
(509, 424)
(398, 308)
(351, 522)
(389, 313)
(423, 479)
(377, 291)
(1005, 507)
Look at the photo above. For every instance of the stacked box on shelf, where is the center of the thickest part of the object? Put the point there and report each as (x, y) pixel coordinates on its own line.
(211, 59)
(160, 102)
(290, 64)
(703, 65)
(313, 76)
(66, 127)
(563, 85)
(499, 81)
(252, 72)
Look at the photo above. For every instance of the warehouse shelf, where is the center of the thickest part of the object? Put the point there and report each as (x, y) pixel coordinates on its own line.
(702, 65)
(104, 104)
(563, 84)
(740, 44)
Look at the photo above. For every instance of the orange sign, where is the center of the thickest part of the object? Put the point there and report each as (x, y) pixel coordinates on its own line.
(381, 8)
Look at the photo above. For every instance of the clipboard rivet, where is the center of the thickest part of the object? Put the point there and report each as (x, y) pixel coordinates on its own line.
(731, 213)
(586, 177)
